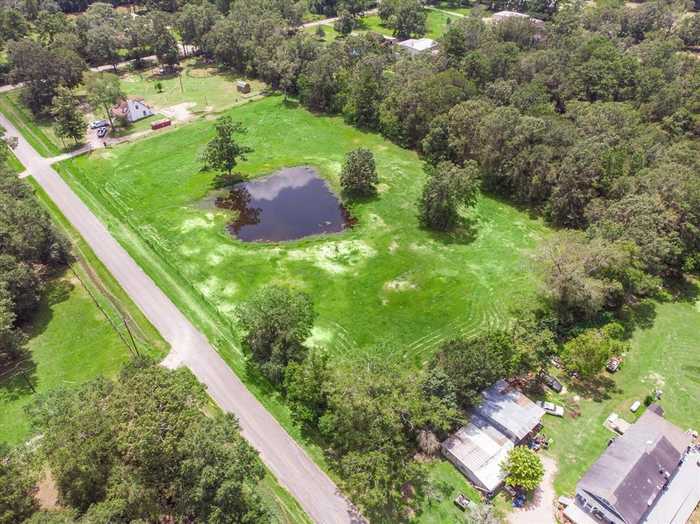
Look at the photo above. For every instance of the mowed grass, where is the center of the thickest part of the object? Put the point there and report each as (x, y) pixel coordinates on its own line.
(199, 85)
(436, 24)
(14, 164)
(71, 342)
(385, 280)
(663, 355)
(40, 135)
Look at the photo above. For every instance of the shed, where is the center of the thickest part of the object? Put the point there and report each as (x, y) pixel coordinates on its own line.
(416, 46)
(242, 86)
(515, 415)
(477, 450)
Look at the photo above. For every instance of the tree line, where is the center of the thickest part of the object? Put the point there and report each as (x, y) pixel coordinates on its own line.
(31, 251)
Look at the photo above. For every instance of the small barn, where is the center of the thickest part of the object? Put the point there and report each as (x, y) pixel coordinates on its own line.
(504, 418)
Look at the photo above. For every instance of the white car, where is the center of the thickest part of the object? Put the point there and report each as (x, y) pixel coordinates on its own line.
(96, 124)
(552, 409)
(101, 132)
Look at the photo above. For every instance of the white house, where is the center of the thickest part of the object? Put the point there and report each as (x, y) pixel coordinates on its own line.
(420, 45)
(131, 109)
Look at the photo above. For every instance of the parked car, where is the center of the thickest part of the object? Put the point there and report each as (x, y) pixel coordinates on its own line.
(552, 409)
(97, 124)
(613, 364)
(101, 132)
(552, 382)
(462, 502)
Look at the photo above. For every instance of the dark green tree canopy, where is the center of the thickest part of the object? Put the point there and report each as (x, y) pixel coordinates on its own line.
(276, 321)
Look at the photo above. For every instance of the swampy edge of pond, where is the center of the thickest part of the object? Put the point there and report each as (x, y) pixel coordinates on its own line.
(289, 204)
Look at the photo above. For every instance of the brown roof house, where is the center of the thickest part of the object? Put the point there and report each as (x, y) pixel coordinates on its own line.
(131, 109)
(648, 466)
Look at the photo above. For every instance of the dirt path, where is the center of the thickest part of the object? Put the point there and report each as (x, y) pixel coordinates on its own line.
(541, 509)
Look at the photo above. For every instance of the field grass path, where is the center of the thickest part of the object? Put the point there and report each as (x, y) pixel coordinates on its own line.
(316, 493)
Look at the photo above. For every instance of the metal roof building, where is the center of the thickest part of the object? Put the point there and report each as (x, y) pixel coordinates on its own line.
(503, 419)
(509, 410)
(477, 450)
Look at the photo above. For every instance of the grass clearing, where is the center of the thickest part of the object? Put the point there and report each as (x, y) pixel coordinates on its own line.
(447, 482)
(664, 354)
(436, 24)
(200, 86)
(40, 135)
(14, 164)
(68, 352)
(152, 196)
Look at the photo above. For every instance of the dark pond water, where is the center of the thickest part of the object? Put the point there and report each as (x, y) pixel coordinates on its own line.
(292, 203)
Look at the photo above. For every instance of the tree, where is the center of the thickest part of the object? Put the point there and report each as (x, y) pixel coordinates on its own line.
(475, 364)
(276, 321)
(306, 384)
(447, 188)
(345, 22)
(406, 17)
(523, 468)
(223, 151)
(141, 447)
(164, 44)
(587, 353)
(358, 177)
(103, 90)
(43, 70)
(581, 277)
(69, 118)
(17, 487)
(365, 92)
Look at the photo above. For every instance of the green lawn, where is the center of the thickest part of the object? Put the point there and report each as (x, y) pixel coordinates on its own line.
(39, 134)
(203, 88)
(14, 164)
(384, 280)
(663, 355)
(72, 339)
(446, 482)
(330, 33)
(71, 342)
(436, 24)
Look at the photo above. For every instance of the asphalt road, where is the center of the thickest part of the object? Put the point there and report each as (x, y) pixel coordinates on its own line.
(290, 464)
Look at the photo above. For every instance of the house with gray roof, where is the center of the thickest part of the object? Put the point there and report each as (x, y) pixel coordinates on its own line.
(636, 472)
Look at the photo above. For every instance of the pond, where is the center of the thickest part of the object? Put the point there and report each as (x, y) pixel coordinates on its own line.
(289, 204)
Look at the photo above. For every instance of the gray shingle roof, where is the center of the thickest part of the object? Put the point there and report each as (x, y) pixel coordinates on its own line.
(632, 471)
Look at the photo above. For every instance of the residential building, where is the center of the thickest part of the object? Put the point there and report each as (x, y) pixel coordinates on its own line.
(646, 475)
(131, 109)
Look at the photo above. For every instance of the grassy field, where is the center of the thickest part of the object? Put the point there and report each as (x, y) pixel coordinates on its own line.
(65, 351)
(39, 134)
(14, 164)
(203, 89)
(385, 280)
(664, 354)
(436, 24)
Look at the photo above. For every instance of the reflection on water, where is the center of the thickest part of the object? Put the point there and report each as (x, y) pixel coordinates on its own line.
(289, 204)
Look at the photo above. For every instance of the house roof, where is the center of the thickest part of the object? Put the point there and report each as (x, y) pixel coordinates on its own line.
(480, 448)
(418, 44)
(508, 408)
(122, 107)
(634, 469)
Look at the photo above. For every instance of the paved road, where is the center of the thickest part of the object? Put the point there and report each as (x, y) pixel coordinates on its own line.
(292, 467)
